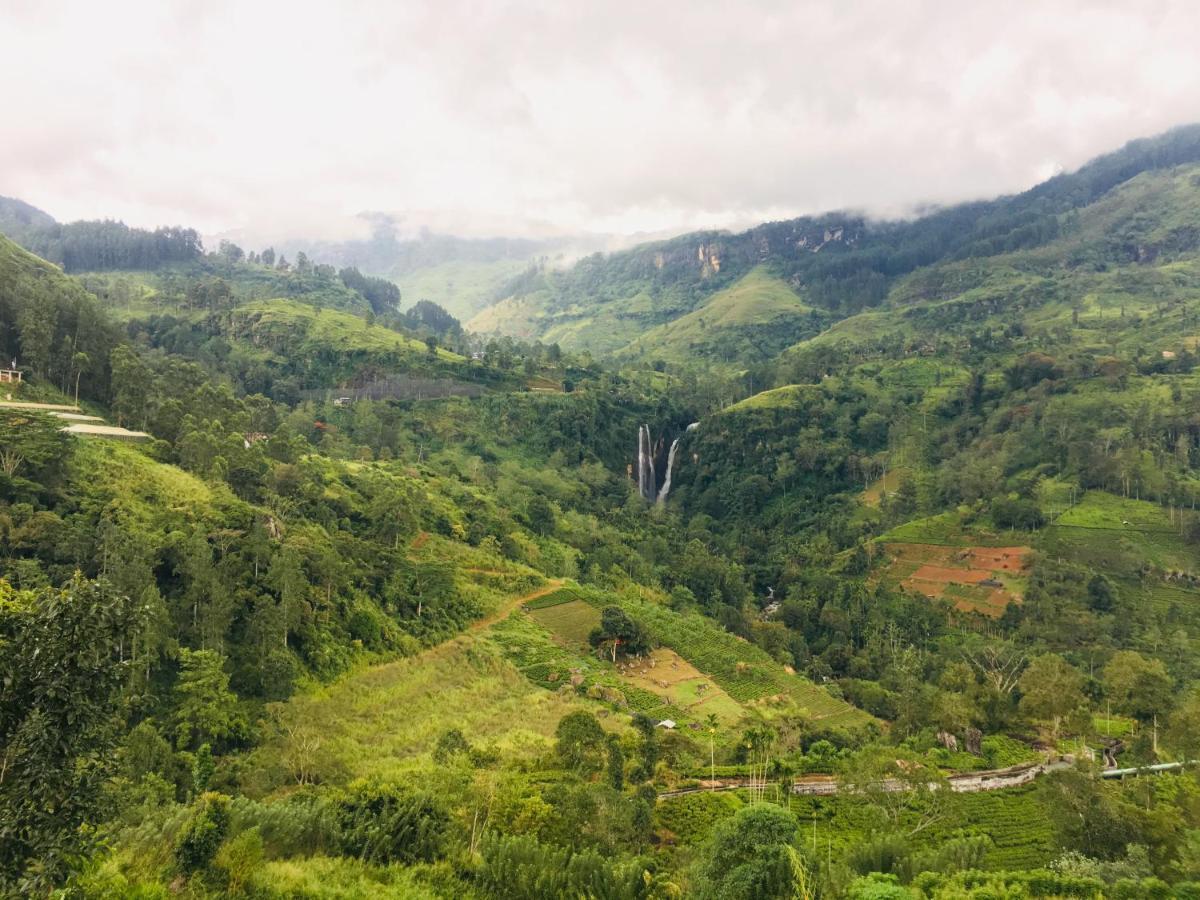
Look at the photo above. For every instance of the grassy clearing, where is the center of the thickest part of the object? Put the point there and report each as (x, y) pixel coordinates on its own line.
(662, 684)
(888, 483)
(324, 328)
(342, 878)
(461, 288)
(758, 308)
(135, 483)
(1098, 509)
(949, 529)
(572, 621)
(776, 398)
(551, 665)
(1104, 726)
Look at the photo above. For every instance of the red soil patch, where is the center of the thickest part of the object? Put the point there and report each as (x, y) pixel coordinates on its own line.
(937, 567)
(948, 575)
(1005, 559)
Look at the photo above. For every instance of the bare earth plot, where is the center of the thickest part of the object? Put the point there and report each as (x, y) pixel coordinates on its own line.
(980, 579)
(666, 673)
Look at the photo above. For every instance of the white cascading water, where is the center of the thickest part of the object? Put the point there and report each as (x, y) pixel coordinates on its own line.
(651, 476)
(666, 488)
(646, 478)
(641, 463)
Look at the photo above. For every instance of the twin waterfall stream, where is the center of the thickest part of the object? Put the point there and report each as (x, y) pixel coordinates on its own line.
(646, 474)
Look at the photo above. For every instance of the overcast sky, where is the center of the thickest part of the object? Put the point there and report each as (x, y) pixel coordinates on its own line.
(288, 118)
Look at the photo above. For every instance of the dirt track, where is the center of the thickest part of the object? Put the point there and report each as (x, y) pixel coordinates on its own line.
(516, 603)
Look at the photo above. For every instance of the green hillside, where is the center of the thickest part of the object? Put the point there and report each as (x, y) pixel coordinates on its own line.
(298, 327)
(387, 608)
(461, 288)
(840, 263)
(41, 308)
(751, 320)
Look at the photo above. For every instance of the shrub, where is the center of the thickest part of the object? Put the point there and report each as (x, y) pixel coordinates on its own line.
(384, 823)
(301, 825)
(580, 742)
(240, 859)
(203, 833)
(518, 867)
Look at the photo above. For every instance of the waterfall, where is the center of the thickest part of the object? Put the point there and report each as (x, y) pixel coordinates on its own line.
(646, 476)
(641, 464)
(666, 488)
(651, 475)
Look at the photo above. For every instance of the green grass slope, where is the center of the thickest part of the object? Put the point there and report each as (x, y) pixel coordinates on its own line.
(1118, 278)
(751, 320)
(310, 330)
(461, 288)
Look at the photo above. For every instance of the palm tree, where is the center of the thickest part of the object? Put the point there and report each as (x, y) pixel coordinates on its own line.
(79, 361)
(711, 721)
(758, 741)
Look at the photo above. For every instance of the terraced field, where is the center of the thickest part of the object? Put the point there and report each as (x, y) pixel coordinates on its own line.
(697, 668)
(667, 674)
(745, 672)
(1120, 535)
(673, 682)
(980, 579)
(553, 665)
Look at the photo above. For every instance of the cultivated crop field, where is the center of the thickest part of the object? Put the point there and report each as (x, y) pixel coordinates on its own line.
(1119, 535)
(1019, 830)
(572, 621)
(982, 579)
(745, 672)
(666, 673)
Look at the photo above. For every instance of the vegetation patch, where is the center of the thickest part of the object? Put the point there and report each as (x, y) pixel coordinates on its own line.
(553, 598)
(381, 721)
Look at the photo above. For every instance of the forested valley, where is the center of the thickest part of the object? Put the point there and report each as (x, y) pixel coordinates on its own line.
(831, 559)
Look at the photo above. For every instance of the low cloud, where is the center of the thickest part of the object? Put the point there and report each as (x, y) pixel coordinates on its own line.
(278, 120)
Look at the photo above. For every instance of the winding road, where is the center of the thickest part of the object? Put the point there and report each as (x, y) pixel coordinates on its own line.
(963, 783)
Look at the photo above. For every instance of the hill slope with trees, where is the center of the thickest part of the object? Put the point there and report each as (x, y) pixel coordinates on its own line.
(380, 609)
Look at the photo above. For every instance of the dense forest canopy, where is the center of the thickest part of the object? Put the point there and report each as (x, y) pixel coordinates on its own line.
(376, 605)
(93, 246)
